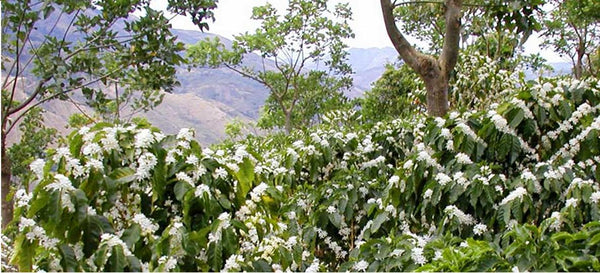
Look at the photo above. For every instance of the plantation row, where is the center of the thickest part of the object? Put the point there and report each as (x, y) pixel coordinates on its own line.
(515, 187)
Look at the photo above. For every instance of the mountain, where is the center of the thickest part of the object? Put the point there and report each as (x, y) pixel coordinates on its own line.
(207, 98)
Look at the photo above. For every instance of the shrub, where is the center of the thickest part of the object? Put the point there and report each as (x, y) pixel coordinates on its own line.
(512, 187)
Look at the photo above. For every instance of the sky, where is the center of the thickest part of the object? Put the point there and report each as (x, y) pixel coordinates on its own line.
(232, 17)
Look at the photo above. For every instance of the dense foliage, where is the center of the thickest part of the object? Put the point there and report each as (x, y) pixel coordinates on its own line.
(511, 187)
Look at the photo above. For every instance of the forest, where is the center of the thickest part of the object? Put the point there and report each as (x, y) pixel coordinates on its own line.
(466, 154)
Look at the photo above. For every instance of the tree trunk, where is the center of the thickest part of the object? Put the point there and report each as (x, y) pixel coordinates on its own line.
(7, 205)
(437, 96)
(435, 72)
(288, 121)
(578, 69)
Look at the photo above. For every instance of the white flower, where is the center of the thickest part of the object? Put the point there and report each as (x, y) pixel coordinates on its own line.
(517, 193)
(314, 266)
(571, 202)
(408, 164)
(220, 173)
(258, 192)
(460, 179)
(446, 133)
(110, 142)
(417, 256)
(83, 130)
(23, 197)
(362, 265)
(147, 226)
(463, 159)
(186, 134)
(91, 149)
(94, 164)
(373, 163)
(181, 176)
(442, 179)
(224, 218)
(146, 162)
(331, 209)
(25, 222)
(501, 123)
(556, 221)
(168, 262)
(112, 240)
(440, 122)
(201, 189)
(595, 197)
(463, 218)
(527, 175)
(232, 263)
(37, 167)
(143, 138)
(426, 157)
(479, 229)
(394, 180)
(427, 194)
(61, 183)
(192, 159)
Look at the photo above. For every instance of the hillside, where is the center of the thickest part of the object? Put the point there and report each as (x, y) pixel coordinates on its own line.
(209, 98)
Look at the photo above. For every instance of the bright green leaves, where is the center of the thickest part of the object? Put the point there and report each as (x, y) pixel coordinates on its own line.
(245, 178)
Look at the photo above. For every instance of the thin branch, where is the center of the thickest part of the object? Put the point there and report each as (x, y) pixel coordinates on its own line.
(76, 104)
(247, 75)
(407, 3)
(54, 96)
(64, 38)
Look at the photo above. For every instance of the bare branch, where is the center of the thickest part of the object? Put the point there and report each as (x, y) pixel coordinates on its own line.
(404, 48)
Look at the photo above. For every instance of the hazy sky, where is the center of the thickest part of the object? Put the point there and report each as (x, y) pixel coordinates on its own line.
(232, 17)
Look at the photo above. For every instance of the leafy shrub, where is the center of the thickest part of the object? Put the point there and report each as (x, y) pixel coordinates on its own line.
(512, 187)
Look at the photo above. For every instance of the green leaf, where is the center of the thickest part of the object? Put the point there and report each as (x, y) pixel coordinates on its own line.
(93, 228)
(245, 177)
(69, 261)
(131, 235)
(134, 264)
(262, 266)
(40, 202)
(380, 219)
(335, 219)
(180, 189)
(117, 260)
(123, 175)
(24, 252)
(215, 256)
(594, 241)
(516, 120)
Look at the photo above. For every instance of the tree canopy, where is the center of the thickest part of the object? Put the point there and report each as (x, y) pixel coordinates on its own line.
(94, 48)
(303, 60)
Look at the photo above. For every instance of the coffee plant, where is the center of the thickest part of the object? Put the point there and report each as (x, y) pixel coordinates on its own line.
(512, 187)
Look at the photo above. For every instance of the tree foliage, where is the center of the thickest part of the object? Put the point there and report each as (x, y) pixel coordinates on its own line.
(303, 60)
(573, 30)
(395, 94)
(86, 47)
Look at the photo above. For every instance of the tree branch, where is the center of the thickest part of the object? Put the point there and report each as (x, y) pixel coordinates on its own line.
(406, 51)
(450, 48)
